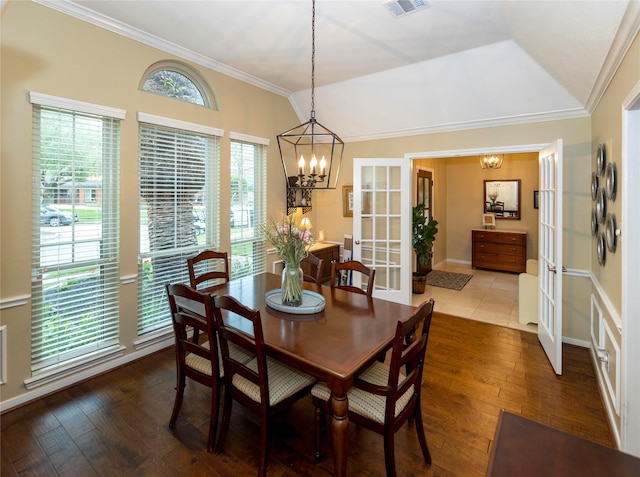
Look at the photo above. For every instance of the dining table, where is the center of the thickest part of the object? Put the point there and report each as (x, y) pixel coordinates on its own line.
(335, 344)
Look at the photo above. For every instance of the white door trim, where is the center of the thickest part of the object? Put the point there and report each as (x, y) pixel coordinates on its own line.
(630, 226)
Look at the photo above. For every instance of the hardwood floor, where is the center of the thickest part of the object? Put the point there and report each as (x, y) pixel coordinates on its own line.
(117, 423)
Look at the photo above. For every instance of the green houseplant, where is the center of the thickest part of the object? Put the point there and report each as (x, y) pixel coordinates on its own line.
(423, 235)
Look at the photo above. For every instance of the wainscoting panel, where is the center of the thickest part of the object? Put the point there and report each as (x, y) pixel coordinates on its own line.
(606, 349)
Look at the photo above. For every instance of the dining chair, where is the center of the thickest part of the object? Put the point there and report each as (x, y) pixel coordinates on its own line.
(384, 396)
(313, 263)
(338, 269)
(264, 385)
(194, 359)
(208, 267)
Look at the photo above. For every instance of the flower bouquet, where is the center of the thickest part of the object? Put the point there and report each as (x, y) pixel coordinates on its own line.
(292, 242)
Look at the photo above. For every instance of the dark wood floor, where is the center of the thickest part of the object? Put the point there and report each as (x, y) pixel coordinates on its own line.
(116, 424)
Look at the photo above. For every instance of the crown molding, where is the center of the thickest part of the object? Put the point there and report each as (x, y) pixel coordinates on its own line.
(480, 124)
(627, 32)
(102, 21)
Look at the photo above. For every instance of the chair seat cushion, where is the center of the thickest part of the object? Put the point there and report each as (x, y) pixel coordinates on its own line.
(204, 365)
(284, 381)
(363, 403)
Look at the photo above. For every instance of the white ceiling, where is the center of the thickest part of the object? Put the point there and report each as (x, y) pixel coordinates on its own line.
(454, 65)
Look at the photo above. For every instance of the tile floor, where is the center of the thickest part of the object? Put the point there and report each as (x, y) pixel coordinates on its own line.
(489, 296)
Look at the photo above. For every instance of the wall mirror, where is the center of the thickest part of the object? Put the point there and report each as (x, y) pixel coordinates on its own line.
(502, 198)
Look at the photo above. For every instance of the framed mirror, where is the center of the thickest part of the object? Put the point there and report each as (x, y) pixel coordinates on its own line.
(503, 198)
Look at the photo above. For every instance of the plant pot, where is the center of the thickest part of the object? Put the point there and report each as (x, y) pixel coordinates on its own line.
(419, 283)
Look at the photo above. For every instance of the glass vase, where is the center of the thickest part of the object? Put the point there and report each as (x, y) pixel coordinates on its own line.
(292, 285)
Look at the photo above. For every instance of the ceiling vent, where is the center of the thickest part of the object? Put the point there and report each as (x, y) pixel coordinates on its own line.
(399, 8)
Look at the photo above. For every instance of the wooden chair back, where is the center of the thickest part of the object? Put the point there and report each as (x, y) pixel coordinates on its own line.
(349, 267)
(252, 341)
(208, 267)
(263, 385)
(316, 264)
(196, 358)
(407, 364)
(384, 397)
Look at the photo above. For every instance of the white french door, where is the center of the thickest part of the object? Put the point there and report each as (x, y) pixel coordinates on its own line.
(550, 254)
(382, 224)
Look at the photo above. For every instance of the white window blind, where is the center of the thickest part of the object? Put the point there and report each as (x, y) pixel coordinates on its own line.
(248, 204)
(179, 183)
(75, 242)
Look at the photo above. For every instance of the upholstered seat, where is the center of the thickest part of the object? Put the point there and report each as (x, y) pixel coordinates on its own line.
(366, 404)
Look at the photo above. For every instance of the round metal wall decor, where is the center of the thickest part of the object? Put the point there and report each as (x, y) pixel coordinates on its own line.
(610, 181)
(594, 185)
(610, 226)
(600, 248)
(601, 205)
(594, 223)
(601, 159)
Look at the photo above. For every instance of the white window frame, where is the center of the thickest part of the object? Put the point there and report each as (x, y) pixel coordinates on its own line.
(90, 251)
(154, 320)
(243, 236)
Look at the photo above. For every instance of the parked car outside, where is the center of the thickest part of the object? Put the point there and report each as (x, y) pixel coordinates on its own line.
(54, 217)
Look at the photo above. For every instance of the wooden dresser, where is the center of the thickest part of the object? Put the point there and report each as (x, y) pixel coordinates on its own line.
(499, 250)
(326, 252)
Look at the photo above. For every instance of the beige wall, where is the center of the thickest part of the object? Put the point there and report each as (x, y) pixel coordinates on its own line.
(52, 53)
(576, 198)
(607, 129)
(607, 286)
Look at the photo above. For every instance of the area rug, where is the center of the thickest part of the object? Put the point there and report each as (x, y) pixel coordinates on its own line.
(451, 280)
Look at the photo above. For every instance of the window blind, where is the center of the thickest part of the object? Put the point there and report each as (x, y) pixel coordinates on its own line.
(75, 242)
(179, 173)
(248, 205)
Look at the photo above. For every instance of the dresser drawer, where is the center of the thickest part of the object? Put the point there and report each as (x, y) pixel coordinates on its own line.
(495, 261)
(505, 251)
(519, 239)
(502, 248)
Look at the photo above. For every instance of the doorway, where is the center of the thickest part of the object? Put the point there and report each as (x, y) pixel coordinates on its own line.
(424, 196)
(491, 296)
(630, 271)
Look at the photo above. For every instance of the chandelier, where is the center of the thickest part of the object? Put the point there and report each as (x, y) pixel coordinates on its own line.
(493, 161)
(311, 154)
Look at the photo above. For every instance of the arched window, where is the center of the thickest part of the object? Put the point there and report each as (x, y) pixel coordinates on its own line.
(179, 81)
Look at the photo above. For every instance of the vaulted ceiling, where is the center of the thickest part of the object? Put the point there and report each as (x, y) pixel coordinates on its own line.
(451, 65)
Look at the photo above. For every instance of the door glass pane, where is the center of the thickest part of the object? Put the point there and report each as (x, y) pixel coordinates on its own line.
(394, 203)
(381, 228)
(367, 203)
(380, 203)
(394, 228)
(394, 178)
(367, 177)
(381, 178)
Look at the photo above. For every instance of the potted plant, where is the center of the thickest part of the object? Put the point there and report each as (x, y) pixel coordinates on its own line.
(423, 235)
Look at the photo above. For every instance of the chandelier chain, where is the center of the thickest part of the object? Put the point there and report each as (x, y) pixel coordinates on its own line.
(313, 58)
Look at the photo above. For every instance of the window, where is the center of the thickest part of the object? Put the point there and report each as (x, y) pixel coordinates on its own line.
(176, 80)
(179, 174)
(75, 269)
(248, 204)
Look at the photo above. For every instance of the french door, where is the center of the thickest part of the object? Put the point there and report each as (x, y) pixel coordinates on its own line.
(382, 224)
(550, 254)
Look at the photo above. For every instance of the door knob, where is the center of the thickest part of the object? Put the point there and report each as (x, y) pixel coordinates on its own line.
(357, 242)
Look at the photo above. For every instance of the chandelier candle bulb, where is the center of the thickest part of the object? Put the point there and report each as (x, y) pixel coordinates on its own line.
(313, 164)
(323, 166)
(301, 166)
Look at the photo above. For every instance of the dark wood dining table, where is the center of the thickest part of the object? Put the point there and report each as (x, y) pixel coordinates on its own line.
(334, 345)
(527, 448)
